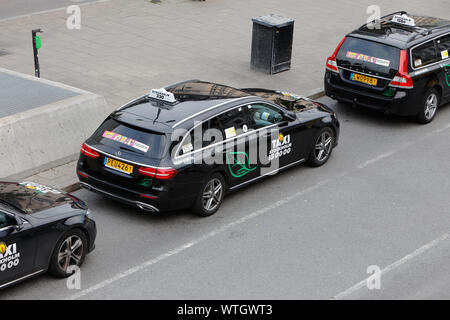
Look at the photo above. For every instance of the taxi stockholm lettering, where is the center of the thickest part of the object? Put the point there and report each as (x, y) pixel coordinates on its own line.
(280, 146)
(9, 256)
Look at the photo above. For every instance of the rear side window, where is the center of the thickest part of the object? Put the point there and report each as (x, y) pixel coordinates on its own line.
(443, 45)
(373, 56)
(119, 135)
(424, 55)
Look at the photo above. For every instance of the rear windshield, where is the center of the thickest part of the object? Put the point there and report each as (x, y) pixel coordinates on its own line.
(373, 56)
(119, 135)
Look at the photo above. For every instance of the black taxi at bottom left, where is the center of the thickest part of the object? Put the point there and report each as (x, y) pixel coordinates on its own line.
(41, 229)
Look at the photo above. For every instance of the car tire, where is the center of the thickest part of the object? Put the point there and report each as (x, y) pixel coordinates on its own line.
(428, 107)
(62, 257)
(322, 147)
(208, 201)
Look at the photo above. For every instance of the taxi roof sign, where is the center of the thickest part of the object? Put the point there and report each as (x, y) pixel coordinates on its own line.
(162, 94)
(403, 19)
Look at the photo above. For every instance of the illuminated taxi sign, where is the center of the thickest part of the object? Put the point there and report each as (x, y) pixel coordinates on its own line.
(162, 94)
(404, 19)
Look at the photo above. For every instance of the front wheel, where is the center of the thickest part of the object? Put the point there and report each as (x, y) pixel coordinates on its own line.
(211, 196)
(429, 106)
(322, 148)
(69, 253)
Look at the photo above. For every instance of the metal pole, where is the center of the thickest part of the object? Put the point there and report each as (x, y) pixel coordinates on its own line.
(37, 71)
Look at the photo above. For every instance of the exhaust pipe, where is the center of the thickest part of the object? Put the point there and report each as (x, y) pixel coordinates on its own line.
(146, 207)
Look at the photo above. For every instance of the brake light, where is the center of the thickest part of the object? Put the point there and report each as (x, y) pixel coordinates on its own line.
(89, 152)
(331, 61)
(158, 173)
(402, 79)
(151, 172)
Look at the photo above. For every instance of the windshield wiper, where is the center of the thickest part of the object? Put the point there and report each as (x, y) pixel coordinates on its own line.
(12, 206)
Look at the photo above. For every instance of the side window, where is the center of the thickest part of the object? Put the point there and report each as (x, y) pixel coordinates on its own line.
(424, 55)
(202, 136)
(4, 220)
(234, 122)
(443, 45)
(263, 115)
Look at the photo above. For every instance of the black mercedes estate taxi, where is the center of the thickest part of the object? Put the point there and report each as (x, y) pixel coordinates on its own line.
(401, 66)
(187, 145)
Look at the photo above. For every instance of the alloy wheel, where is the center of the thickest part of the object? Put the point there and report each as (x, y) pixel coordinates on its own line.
(431, 106)
(212, 194)
(323, 146)
(70, 252)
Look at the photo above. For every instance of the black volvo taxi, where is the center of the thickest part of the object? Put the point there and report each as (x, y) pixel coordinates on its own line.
(186, 145)
(41, 229)
(400, 66)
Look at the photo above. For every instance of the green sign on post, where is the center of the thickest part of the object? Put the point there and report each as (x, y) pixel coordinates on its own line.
(38, 42)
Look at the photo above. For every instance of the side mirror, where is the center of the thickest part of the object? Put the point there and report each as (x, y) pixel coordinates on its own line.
(19, 224)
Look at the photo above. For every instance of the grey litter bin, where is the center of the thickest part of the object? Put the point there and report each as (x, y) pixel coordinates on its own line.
(272, 43)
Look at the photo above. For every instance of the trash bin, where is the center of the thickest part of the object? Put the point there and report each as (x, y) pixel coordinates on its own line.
(272, 43)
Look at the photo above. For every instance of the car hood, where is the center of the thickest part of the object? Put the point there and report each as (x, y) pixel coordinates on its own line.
(32, 198)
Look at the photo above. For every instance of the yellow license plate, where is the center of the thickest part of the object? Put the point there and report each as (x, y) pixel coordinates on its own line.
(118, 165)
(364, 79)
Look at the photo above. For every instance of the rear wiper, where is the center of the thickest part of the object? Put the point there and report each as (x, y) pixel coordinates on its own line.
(124, 148)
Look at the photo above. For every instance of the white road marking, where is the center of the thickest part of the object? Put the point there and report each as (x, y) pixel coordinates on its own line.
(29, 15)
(183, 247)
(376, 159)
(254, 214)
(393, 266)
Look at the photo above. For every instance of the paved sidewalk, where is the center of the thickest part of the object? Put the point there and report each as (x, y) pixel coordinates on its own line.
(127, 47)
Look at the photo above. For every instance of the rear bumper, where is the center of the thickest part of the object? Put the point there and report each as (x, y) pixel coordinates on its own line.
(402, 103)
(110, 194)
(162, 201)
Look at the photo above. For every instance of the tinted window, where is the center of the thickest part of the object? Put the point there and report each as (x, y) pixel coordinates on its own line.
(234, 122)
(119, 135)
(4, 220)
(374, 56)
(424, 54)
(443, 45)
(262, 115)
(202, 136)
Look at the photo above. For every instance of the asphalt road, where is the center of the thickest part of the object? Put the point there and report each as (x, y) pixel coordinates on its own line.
(9, 8)
(307, 233)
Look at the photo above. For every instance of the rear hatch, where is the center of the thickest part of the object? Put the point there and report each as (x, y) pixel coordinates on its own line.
(367, 65)
(121, 149)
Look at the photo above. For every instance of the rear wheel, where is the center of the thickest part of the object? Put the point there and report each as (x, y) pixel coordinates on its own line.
(428, 107)
(69, 252)
(322, 148)
(211, 196)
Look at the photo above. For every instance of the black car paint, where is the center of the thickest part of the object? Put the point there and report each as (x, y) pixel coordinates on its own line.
(36, 234)
(181, 191)
(405, 102)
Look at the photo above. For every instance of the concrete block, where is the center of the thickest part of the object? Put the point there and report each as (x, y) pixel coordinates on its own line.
(48, 135)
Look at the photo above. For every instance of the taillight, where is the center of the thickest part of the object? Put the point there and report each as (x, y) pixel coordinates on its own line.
(331, 61)
(151, 172)
(89, 152)
(402, 79)
(158, 173)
